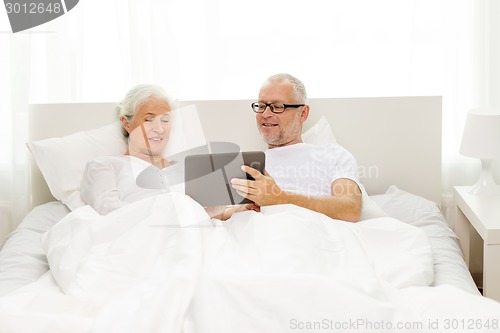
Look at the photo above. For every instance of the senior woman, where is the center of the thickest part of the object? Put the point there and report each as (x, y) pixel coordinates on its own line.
(110, 182)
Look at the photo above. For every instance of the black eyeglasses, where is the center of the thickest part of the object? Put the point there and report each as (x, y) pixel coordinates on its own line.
(259, 107)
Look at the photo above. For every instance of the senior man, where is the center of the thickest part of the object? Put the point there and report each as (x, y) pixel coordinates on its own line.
(323, 178)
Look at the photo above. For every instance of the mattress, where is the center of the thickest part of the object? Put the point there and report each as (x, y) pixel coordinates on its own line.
(22, 259)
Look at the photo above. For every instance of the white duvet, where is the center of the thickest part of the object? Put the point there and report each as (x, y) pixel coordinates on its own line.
(161, 265)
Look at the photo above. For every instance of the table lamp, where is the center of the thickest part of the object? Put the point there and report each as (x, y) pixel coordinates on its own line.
(481, 139)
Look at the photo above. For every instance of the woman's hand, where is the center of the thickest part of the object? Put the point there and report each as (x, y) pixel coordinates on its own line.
(236, 209)
(215, 211)
(225, 212)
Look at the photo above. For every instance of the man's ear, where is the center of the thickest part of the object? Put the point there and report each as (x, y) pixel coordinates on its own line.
(304, 113)
(125, 123)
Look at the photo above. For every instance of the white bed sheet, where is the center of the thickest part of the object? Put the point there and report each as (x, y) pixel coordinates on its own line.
(449, 265)
(160, 265)
(22, 259)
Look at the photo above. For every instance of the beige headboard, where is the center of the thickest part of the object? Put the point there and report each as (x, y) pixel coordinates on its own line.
(396, 140)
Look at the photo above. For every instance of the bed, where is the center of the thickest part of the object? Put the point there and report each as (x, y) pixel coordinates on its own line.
(396, 142)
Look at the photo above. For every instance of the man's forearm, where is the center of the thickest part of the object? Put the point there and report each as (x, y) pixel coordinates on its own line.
(346, 208)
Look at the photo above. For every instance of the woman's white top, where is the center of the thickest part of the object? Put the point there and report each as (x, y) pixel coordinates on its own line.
(110, 182)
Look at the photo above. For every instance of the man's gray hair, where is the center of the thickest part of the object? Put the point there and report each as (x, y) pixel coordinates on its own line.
(139, 95)
(299, 89)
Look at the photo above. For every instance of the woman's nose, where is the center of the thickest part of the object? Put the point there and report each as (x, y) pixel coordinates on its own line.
(158, 126)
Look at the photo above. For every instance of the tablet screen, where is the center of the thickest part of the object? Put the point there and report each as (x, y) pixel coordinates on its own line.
(208, 176)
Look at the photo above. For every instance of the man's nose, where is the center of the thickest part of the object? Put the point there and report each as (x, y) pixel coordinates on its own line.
(267, 112)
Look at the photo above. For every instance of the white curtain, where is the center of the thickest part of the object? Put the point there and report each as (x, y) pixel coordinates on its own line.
(14, 93)
(473, 80)
(224, 49)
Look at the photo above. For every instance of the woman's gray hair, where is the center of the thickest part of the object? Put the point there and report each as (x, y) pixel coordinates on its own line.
(299, 89)
(136, 97)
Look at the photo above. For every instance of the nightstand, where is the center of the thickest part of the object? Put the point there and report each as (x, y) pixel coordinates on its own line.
(477, 224)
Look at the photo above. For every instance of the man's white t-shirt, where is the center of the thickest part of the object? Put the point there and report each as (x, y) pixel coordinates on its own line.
(310, 169)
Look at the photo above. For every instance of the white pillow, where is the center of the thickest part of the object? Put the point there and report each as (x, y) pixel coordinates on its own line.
(321, 133)
(411, 208)
(370, 209)
(62, 160)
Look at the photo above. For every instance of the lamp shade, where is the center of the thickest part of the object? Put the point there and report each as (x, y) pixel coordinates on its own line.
(481, 138)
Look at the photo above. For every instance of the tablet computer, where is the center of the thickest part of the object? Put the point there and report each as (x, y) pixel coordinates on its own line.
(208, 176)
